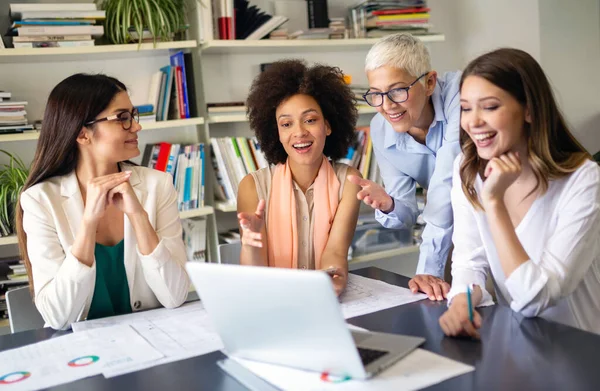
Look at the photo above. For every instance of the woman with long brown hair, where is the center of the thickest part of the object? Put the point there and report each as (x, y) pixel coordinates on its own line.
(526, 199)
(99, 235)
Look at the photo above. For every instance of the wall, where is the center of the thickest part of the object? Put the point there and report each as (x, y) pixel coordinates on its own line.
(570, 55)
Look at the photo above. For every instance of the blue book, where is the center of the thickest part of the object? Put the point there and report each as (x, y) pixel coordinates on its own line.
(177, 59)
(143, 109)
(52, 23)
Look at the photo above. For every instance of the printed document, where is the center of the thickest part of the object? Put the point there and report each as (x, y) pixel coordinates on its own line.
(73, 356)
(365, 295)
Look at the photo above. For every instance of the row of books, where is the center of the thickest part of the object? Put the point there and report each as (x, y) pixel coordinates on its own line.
(39, 25)
(233, 158)
(361, 156)
(378, 18)
(186, 164)
(172, 92)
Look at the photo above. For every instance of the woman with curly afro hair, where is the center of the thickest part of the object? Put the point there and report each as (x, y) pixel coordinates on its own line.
(301, 211)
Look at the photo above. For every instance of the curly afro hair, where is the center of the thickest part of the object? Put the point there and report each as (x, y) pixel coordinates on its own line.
(284, 79)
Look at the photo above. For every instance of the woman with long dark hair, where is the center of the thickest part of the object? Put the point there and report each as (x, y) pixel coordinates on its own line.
(99, 236)
(526, 201)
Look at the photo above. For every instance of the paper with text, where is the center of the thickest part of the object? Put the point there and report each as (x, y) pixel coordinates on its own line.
(418, 370)
(177, 333)
(364, 296)
(73, 356)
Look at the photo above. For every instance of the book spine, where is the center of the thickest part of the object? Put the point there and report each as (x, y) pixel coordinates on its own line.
(63, 30)
(317, 13)
(52, 44)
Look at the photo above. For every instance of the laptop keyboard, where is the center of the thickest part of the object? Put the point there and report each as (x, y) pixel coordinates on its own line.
(367, 356)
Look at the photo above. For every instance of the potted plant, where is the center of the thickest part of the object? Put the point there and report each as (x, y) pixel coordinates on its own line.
(135, 20)
(12, 178)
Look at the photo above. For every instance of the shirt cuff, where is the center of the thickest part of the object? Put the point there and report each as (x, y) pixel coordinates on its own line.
(526, 282)
(463, 278)
(157, 258)
(77, 271)
(393, 218)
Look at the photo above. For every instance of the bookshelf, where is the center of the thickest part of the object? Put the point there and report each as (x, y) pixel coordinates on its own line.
(92, 52)
(174, 123)
(296, 46)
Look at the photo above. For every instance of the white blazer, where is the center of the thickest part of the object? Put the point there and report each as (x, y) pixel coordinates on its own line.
(64, 287)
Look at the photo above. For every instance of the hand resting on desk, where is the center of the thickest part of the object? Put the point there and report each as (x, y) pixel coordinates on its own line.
(435, 288)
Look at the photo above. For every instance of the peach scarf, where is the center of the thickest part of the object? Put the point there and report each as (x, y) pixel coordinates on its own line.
(282, 223)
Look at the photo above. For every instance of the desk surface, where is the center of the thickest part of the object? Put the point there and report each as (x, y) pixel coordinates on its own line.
(514, 353)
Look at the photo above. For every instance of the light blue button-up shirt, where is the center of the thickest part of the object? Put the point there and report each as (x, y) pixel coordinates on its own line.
(404, 162)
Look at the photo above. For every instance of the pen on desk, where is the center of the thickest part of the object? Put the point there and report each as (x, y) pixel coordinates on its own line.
(469, 304)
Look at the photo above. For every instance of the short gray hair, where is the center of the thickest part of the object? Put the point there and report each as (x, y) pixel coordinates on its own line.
(401, 51)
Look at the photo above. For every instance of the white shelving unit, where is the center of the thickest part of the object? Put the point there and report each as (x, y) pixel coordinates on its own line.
(93, 52)
(296, 46)
(176, 123)
(241, 117)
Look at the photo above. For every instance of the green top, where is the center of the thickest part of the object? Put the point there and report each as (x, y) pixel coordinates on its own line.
(111, 294)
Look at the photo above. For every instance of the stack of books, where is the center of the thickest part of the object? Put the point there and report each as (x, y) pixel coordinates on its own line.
(55, 25)
(233, 108)
(337, 26)
(233, 158)
(374, 19)
(186, 164)
(13, 117)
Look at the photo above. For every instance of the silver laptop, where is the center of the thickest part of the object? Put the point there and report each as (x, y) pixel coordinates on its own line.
(293, 318)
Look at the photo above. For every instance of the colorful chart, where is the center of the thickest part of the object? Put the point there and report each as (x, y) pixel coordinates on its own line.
(14, 377)
(83, 361)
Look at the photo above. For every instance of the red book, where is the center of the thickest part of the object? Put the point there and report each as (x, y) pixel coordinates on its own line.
(163, 157)
(401, 11)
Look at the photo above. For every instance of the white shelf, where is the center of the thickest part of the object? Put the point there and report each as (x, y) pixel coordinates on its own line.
(6, 240)
(297, 45)
(226, 207)
(172, 123)
(204, 211)
(151, 125)
(108, 51)
(384, 254)
(223, 118)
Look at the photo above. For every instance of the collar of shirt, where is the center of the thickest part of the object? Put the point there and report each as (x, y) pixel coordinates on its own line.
(404, 141)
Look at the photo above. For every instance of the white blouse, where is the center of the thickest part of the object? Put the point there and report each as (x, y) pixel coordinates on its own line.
(561, 234)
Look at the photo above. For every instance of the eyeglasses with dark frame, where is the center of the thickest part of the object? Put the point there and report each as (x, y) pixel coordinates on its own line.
(396, 95)
(125, 117)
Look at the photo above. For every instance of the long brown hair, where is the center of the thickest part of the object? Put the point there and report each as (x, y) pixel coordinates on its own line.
(74, 102)
(553, 152)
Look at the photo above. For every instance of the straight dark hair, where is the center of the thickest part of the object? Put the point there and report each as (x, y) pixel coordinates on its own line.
(74, 102)
(553, 150)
